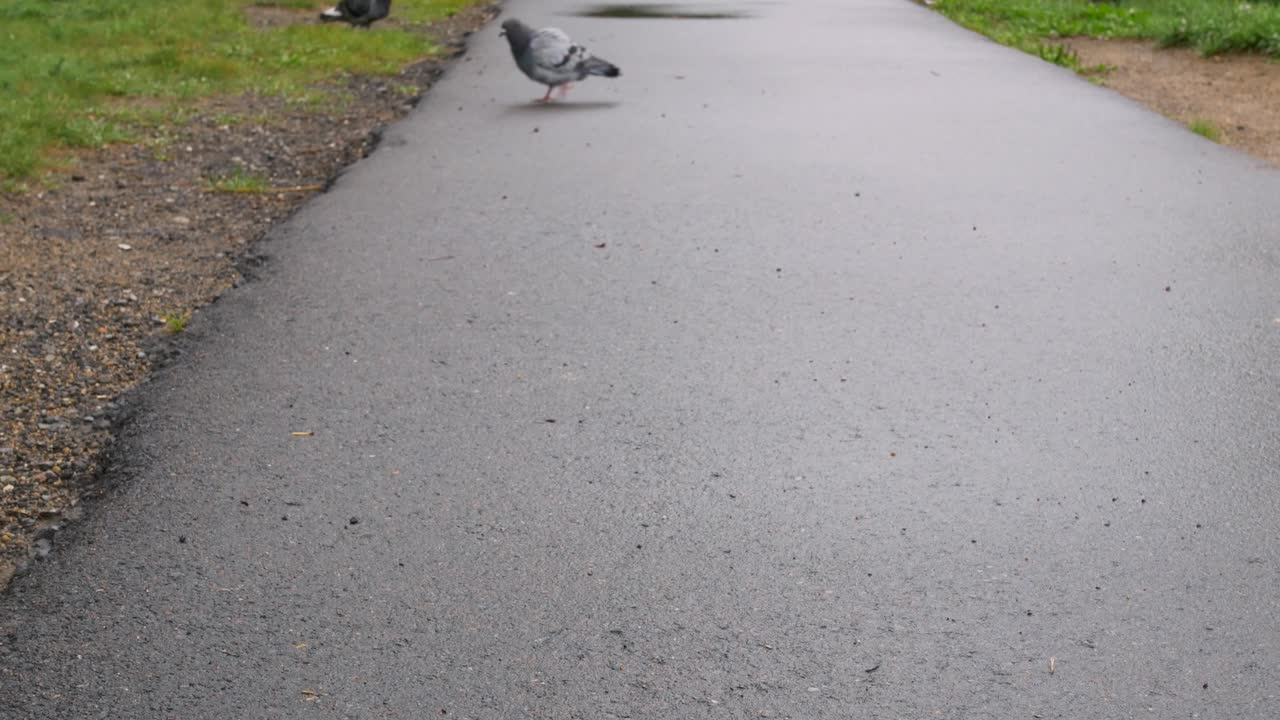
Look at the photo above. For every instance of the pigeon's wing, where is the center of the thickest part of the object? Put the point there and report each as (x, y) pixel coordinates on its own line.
(552, 52)
(357, 8)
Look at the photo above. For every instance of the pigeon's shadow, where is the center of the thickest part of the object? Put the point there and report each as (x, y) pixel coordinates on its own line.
(562, 106)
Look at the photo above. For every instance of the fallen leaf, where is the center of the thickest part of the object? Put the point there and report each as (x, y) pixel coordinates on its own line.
(309, 692)
(302, 433)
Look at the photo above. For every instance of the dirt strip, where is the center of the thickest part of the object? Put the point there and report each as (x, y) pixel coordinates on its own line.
(1238, 95)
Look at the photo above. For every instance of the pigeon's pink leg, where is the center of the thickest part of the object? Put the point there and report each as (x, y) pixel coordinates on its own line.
(564, 90)
(545, 98)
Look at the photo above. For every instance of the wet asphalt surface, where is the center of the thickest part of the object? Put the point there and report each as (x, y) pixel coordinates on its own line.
(832, 362)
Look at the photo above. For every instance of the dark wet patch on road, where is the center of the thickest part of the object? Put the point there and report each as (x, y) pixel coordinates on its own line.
(660, 12)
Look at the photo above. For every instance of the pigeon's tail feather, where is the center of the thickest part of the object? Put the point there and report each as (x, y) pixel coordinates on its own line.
(599, 66)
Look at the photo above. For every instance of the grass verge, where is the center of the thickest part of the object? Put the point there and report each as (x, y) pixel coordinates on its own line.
(84, 73)
(1209, 26)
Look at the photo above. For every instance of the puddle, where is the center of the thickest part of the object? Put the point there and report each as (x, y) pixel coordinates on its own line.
(660, 12)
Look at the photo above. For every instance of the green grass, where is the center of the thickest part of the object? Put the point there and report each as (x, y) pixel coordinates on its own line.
(1209, 26)
(1058, 55)
(176, 322)
(83, 73)
(1205, 129)
(240, 180)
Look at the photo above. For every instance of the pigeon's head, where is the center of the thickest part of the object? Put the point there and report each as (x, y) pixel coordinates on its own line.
(516, 33)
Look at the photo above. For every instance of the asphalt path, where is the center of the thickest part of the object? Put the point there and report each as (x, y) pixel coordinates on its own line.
(833, 362)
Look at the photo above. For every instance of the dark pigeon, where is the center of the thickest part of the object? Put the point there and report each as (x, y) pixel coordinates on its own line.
(359, 13)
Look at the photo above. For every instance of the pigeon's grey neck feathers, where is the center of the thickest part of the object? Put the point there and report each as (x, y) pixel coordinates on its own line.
(518, 34)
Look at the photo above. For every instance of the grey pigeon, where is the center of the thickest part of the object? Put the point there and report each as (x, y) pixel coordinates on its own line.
(549, 57)
(360, 13)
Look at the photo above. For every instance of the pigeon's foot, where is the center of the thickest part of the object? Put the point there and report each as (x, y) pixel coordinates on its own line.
(546, 98)
(564, 90)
